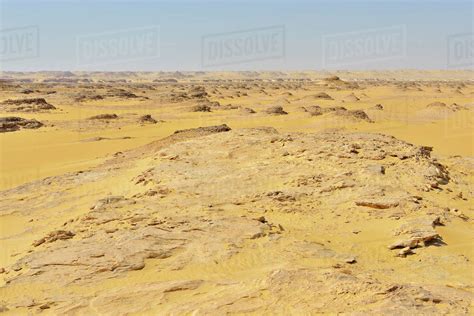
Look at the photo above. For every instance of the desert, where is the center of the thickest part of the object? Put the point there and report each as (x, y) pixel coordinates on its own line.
(237, 192)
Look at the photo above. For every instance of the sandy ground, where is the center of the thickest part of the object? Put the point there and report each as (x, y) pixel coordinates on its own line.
(295, 220)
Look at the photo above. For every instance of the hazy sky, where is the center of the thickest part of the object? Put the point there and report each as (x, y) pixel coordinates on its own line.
(235, 35)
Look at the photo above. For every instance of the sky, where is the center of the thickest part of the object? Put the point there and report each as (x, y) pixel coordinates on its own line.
(126, 35)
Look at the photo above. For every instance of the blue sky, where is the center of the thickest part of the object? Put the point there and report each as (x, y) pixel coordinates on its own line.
(408, 34)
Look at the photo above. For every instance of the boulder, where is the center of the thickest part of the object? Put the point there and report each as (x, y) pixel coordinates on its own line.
(276, 110)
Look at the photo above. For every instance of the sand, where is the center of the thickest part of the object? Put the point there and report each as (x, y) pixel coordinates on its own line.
(285, 213)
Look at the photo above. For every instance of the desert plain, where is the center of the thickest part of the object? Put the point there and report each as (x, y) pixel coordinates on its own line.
(197, 193)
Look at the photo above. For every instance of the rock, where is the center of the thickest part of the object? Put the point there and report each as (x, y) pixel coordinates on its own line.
(248, 110)
(11, 124)
(276, 110)
(359, 114)
(427, 297)
(350, 260)
(104, 117)
(112, 201)
(281, 196)
(314, 110)
(100, 138)
(122, 94)
(378, 107)
(147, 119)
(26, 105)
(197, 92)
(87, 96)
(53, 236)
(354, 114)
(323, 95)
(456, 107)
(444, 108)
(417, 233)
(201, 108)
(378, 204)
(437, 173)
(334, 109)
(376, 169)
(207, 129)
(45, 306)
(26, 302)
(100, 255)
(351, 98)
(404, 252)
(332, 78)
(222, 189)
(16, 267)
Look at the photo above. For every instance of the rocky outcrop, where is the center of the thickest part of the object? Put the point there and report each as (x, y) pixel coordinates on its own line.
(104, 117)
(147, 119)
(201, 108)
(206, 130)
(26, 105)
(275, 110)
(416, 233)
(221, 220)
(316, 110)
(12, 123)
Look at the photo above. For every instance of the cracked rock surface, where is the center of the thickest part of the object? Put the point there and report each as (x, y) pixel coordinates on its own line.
(217, 220)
